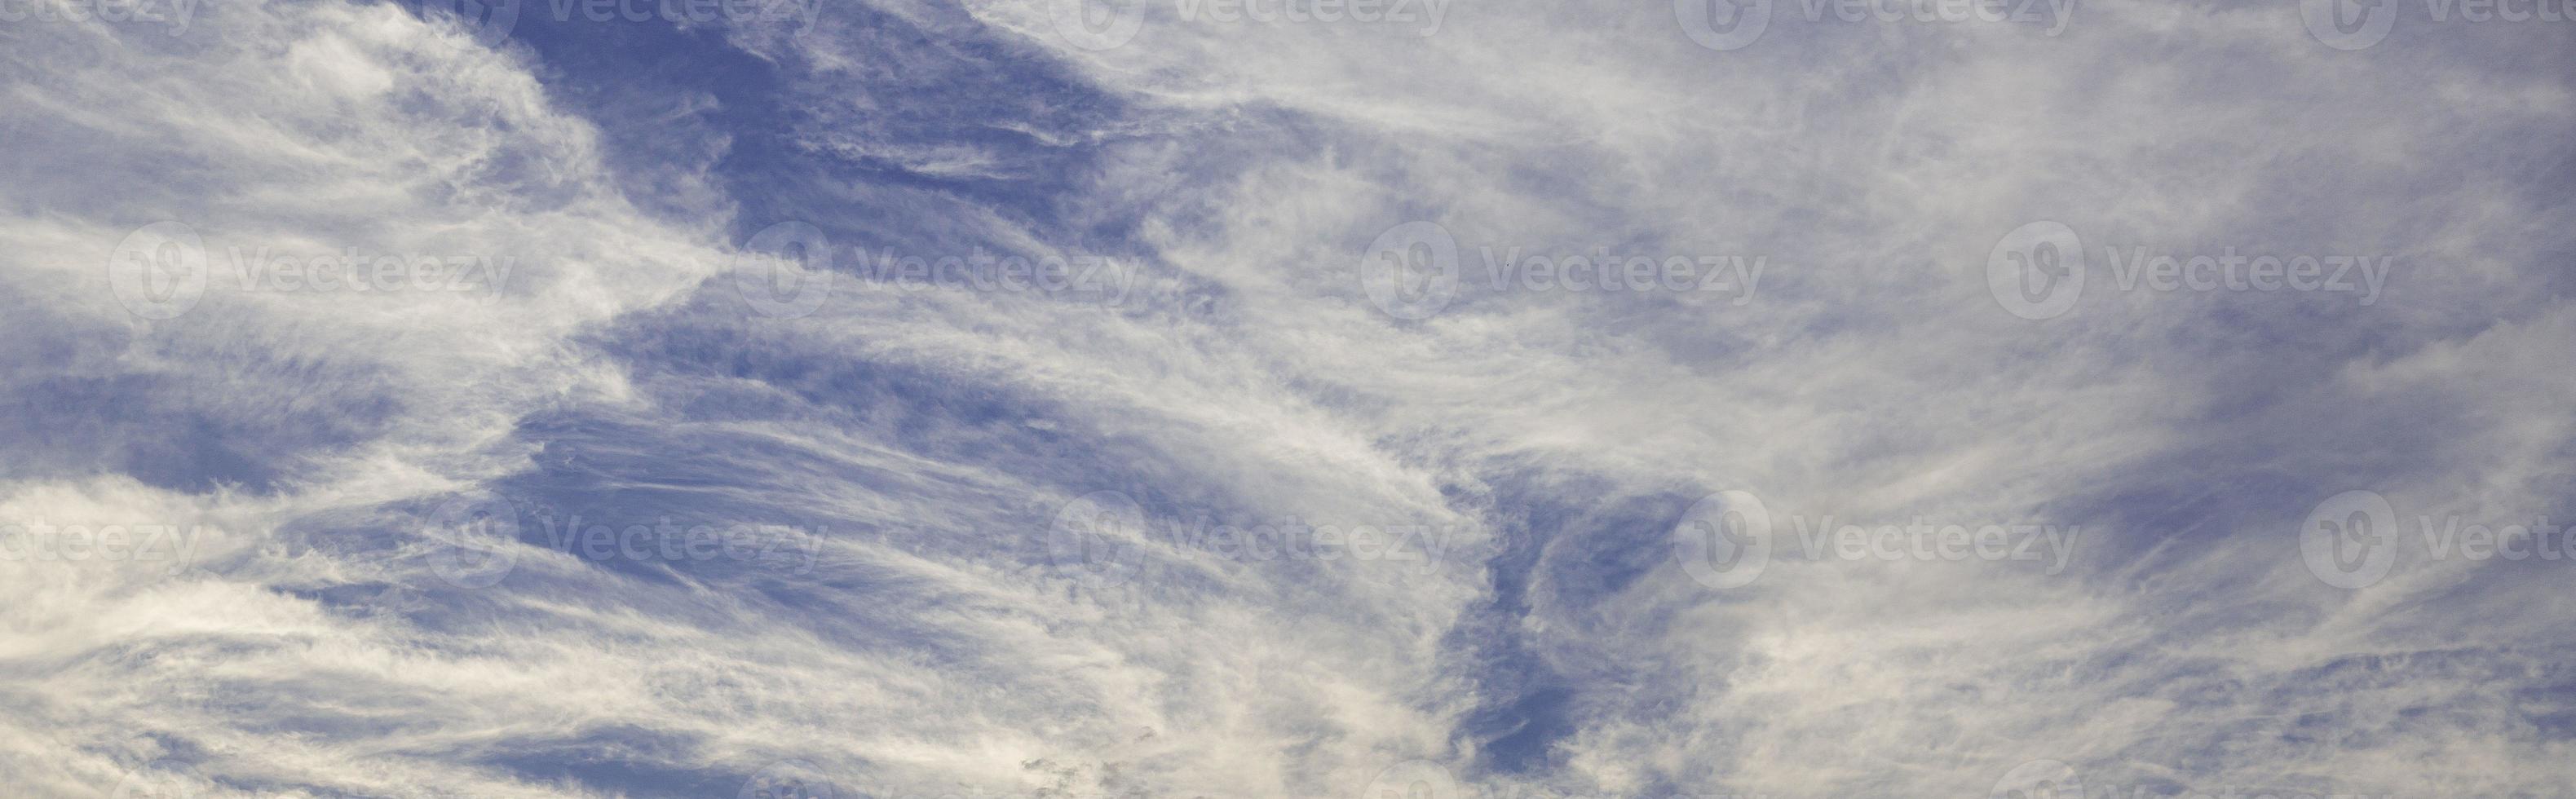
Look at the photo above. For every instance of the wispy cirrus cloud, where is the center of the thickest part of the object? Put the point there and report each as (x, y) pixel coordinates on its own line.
(763, 462)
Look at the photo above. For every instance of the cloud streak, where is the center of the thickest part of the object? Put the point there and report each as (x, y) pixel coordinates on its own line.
(765, 452)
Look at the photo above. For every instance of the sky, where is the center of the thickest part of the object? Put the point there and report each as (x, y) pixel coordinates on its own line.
(1394, 399)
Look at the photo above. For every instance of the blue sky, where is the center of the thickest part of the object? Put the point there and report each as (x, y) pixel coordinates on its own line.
(1069, 398)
